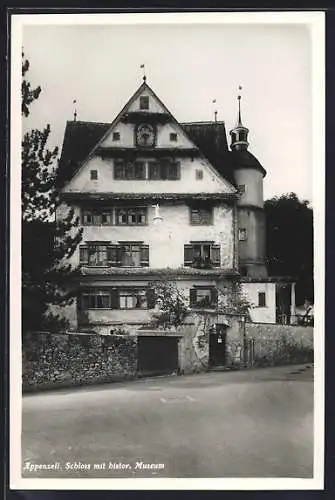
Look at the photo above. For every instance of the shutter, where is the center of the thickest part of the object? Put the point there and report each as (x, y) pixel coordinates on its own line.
(188, 255)
(215, 255)
(151, 298)
(83, 255)
(193, 297)
(115, 300)
(113, 255)
(214, 297)
(145, 255)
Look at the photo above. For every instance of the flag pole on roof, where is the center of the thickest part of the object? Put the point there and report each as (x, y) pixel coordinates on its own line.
(215, 111)
(143, 67)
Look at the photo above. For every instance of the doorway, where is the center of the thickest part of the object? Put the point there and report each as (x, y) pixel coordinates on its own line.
(217, 345)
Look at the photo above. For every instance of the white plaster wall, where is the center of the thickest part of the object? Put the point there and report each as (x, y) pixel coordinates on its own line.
(261, 314)
(211, 182)
(127, 137)
(154, 105)
(253, 181)
(166, 239)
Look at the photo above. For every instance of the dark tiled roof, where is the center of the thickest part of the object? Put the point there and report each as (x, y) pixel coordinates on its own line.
(79, 139)
(210, 137)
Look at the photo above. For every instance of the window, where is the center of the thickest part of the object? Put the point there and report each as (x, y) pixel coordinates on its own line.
(201, 216)
(199, 175)
(95, 298)
(116, 298)
(133, 299)
(173, 137)
(202, 255)
(261, 299)
(144, 102)
(242, 234)
(136, 216)
(116, 136)
(203, 297)
(107, 255)
(241, 188)
(129, 170)
(98, 217)
(164, 170)
(94, 175)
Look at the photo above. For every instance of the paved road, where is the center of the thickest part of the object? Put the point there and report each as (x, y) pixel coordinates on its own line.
(255, 423)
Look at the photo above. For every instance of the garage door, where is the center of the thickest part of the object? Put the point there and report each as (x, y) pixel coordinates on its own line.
(157, 355)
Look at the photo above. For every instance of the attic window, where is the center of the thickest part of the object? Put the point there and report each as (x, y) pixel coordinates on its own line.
(144, 102)
(94, 175)
(199, 175)
(173, 137)
(116, 136)
(241, 188)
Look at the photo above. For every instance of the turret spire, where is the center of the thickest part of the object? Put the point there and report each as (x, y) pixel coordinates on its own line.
(239, 134)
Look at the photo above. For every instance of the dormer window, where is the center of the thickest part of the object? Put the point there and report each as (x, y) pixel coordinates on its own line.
(144, 102)
(173, 137)
(116, 136)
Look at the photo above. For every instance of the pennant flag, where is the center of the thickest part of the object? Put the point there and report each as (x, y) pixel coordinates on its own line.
(142, 66)
(214, 100)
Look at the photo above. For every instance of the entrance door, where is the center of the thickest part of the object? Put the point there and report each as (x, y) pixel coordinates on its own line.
(157, 355)
(217, 346)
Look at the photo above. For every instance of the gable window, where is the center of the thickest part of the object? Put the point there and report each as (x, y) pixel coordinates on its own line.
(202, 255)
(128, 254)
(199, 175)
(94, 175)
(242, 234)
(116, 136)
(136, 216)
(202, 297)
(129, 170)
(164, 170)
(173, 137)
(261, 299)
(201, 216)
(241, 188)
(144, 102)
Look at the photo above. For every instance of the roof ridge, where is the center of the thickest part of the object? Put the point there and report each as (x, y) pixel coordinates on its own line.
(221, 122)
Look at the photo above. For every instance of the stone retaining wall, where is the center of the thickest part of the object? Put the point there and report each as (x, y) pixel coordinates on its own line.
(51, 360)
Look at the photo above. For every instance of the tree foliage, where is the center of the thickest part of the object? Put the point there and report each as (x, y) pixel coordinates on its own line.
(171, 303)
(289, 242)
(47, 241)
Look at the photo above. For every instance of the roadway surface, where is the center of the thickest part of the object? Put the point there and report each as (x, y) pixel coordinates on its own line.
(256, 423)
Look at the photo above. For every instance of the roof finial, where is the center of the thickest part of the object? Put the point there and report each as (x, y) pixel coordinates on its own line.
(143, 67)
(75, 110)
(239, 121)
(215, 111)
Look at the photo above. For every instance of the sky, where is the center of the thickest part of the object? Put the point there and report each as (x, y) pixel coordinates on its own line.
(188, 66)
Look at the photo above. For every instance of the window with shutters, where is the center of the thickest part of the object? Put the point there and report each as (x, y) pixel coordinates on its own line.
(97, 217)
(129, 170)
(133, 299)
(203, 297)
(164, 170)
(202, 255)
(135, 216)
(201, 216)
(107, 255)
(95, 298)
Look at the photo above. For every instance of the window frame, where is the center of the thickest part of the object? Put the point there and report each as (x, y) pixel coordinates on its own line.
(94, 175)
(199, 208)
(242, 231)
(144, 99)
(164, 170)
(194, 300)
(128, 171)
(199, 262)
(92, 292)
(199, 174)
(173, 137)
(262, 303)
(132, 292)
(116, 136)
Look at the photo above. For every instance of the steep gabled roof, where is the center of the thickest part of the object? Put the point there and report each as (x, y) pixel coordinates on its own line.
(79, 139)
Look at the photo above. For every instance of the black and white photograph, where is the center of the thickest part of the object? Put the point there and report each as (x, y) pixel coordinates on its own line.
(167, 250)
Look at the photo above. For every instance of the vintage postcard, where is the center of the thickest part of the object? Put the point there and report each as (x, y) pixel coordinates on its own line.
(167, 251)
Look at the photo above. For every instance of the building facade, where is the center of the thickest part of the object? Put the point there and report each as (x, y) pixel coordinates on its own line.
(161, 200)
